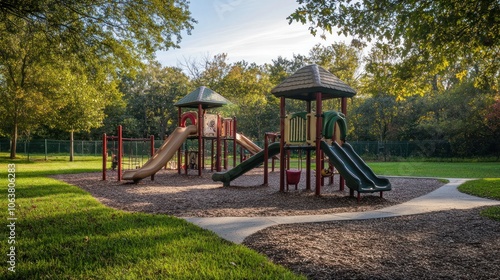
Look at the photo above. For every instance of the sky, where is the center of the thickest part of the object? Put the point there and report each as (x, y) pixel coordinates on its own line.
(251, 30)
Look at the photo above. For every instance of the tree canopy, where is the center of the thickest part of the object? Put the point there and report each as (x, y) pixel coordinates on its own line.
(429, 33)
(60, 59)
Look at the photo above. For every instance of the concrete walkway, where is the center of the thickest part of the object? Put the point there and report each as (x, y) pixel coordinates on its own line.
(447, 197)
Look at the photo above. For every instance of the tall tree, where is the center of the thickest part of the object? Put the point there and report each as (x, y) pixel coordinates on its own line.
(381, 75)
(150, 96)
(133, 27)
(340, 59)
(80, 103)
(167, 86)
(26, 81)
(280, 69)
(105, 37)
(426, 33)
(248, 87)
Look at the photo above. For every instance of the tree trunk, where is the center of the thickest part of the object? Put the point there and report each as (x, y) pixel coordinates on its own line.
(71, 146)
(13, 142)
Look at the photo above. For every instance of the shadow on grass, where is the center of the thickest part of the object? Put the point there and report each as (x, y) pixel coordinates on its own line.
(50, 189)
(86, 241)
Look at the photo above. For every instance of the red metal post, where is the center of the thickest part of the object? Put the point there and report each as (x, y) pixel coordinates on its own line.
(120, 152)
(212, 155)
(344, 106)
(308, 152)
(186, 161)
(200, 138)
(179, 152)
(104, 155)
(152, 143)
(218, 155)
(344, 111)
(266, 160)
(234, 141)
(226, 151)
(319, 126)
(203, 156)
(282, 144)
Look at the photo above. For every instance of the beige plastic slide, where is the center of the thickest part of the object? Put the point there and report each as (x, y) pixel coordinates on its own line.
(247, 144)
(162, 156)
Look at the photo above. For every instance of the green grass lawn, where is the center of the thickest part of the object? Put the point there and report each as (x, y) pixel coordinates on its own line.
(62, 232)
(438, 169)
(488, 188)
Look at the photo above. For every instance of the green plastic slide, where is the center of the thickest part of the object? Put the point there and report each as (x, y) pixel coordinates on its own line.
(247, 165)
(357, 174)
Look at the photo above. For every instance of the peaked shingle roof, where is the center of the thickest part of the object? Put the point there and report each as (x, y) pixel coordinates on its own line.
(309, 80)
(204, 96)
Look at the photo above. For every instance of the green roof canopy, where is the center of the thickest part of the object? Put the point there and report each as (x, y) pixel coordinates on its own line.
(309, 80)
(204, 96)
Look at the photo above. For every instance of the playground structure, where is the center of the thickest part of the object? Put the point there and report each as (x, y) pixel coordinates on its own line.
(214, 128)
(310, 131)
(197, 126)
(117, 152)
(318, 131)
(323, 132)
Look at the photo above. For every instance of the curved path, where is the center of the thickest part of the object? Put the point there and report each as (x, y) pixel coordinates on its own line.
(447, 197)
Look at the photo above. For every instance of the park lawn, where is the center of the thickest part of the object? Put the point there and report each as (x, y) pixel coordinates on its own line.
(438, 169)
(62, 232)
(488, 188)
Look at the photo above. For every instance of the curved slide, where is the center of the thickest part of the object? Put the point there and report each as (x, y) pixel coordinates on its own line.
(162, 156)
(245, 166)
(356, 172)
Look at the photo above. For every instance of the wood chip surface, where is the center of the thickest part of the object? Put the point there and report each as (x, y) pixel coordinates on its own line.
(457, 244)
(194, 196)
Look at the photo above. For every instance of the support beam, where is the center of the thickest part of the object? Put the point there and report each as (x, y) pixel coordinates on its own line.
(179, 152)
(104, 155)
(319, 125)
(235, 126)
(200, 138)
(308, 152)
(152, 143)
(282, 144)
(266, 160)
(120, 152)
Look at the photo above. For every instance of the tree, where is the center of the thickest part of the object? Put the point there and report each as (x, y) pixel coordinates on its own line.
(281, 67)
(105, 38)
(426, 33)
(374, 117)
(382, 76)
(248, 87)
(80, 103)
(150, 96)
(340, 59)
(279, 70)
(493, 123)
(167, 86)
(26, 81)
(132, 27)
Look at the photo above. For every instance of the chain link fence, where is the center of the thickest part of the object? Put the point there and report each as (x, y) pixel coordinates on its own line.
(369, 150)
(390, 150)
